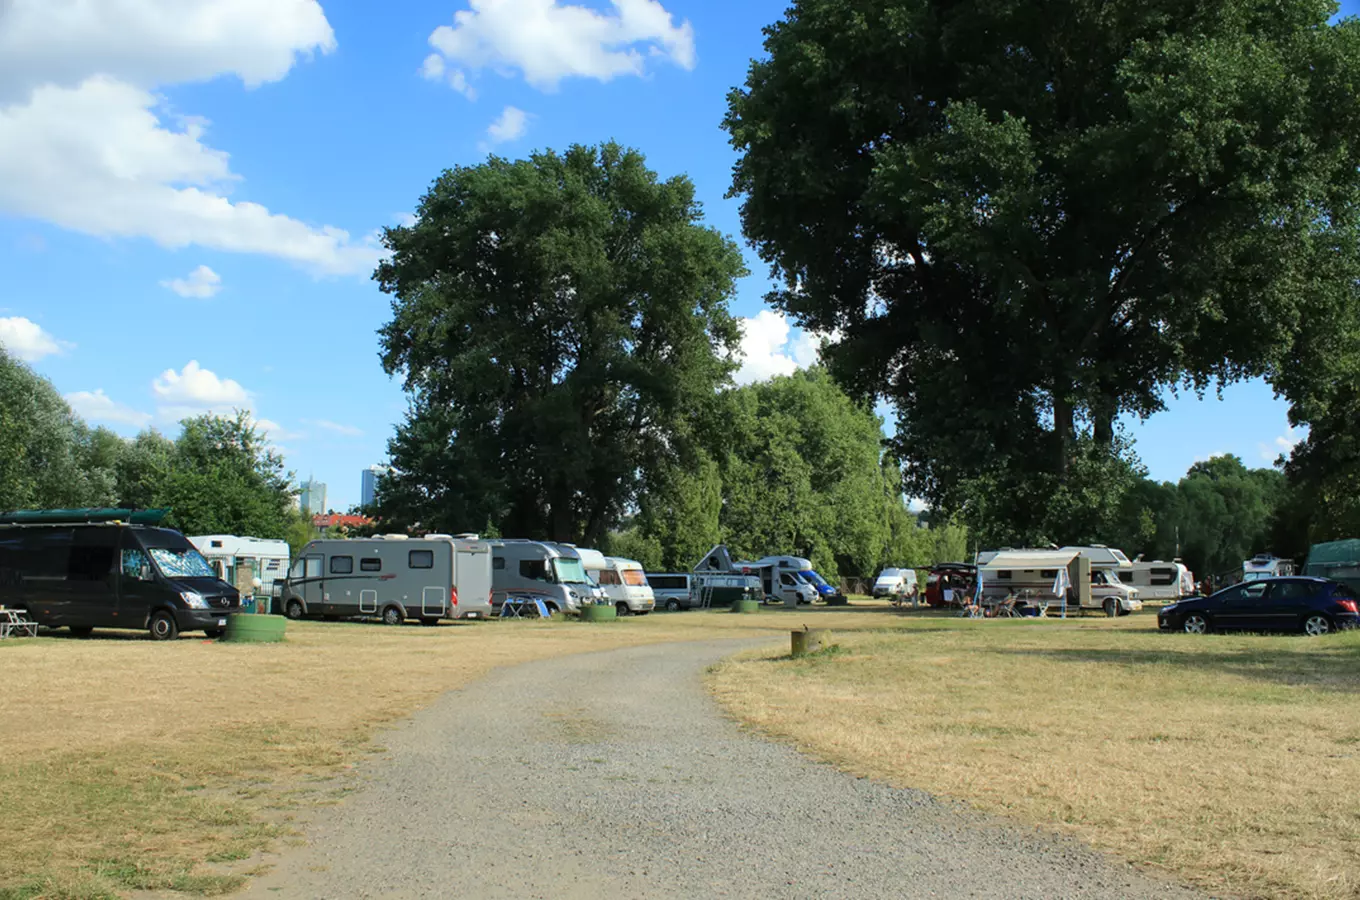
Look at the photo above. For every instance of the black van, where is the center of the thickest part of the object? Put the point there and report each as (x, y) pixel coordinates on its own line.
(90, 573)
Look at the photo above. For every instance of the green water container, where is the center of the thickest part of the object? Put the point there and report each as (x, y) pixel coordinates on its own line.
(248, 629)
(745, 606)
(601, 612)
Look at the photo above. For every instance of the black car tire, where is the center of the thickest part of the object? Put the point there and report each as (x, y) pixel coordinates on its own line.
(622, 609)
(1195, 623)
(163, 626)
(1316, 625)
(673, 605)
(294, 609)
(391, 615)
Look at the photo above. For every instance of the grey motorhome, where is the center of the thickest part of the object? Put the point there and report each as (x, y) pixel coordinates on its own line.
(780, 576)
(547, 571)
(394, 578)
(109, 568)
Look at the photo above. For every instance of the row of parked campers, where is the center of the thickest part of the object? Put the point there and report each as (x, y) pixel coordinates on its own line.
(436, 577)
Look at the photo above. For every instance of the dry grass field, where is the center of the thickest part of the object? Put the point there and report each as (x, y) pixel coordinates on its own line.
(1232, 761)
(127, 764)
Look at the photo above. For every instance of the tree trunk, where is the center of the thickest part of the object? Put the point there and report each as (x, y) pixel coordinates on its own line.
(1104, 415)
(1063, 427)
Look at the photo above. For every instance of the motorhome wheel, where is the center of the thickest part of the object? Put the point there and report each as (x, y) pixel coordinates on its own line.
(392, 616)
(622, 608)
(294, 609)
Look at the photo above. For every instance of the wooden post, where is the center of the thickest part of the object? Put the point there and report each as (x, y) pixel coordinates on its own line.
(807, 641)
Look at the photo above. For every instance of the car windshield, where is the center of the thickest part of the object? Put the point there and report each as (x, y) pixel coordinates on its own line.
(185, 563)
(570, 571)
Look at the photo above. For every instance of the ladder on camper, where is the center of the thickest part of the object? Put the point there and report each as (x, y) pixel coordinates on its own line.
(706, 594)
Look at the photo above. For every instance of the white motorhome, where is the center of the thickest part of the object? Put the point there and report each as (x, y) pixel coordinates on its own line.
(244, 561)
(1043, 575)
(391, 577)
(622, 580)
(544, 570)
(1263, 565)
(1158, 580)
(781, 577)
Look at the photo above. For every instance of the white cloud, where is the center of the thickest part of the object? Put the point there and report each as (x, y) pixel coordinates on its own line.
(27, 340)
(195, 390)
(510, 126)
(86, 145)
(406, 220)
(1284, 444)
(97, 159)
(548, 40)
(99, 407)
(346, 430)
(435, 69)
(151, 42)
(769, 347)
(276, 432)
(202, 283)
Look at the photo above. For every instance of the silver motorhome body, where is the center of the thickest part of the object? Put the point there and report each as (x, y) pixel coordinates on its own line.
(393, 577)
(548, 571)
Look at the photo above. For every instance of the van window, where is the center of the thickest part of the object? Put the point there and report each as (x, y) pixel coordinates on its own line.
(296, 571)
(92, 554)
(342, 565)
(136, 565)
(1162, 577)
(633, 577)
(533, 569)
(608, 576)
(786, 579)
(421, 559)
(498, 563)
(667, 582)
(313, 567)
(1048, 573)
(181, 562)
(373, 564)
(1127, 577)
(48, 554)
(1004, 575)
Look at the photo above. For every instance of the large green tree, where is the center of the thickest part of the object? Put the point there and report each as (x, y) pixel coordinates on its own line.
(556, 322)
(1024, 219)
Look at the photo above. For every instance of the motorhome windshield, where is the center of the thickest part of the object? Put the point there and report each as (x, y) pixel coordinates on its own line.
(181, 563)
(633, 577)
(570, 571)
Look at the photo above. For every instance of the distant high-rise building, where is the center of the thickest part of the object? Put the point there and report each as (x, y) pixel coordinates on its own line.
(368, 489)
(313, 497)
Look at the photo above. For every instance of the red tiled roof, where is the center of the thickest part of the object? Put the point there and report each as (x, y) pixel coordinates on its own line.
(332, 521)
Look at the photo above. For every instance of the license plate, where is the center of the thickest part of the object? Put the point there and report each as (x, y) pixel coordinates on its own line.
(221, 623)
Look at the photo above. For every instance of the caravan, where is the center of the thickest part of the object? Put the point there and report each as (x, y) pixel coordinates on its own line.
(1157, 580)
(394, 578)
(622, 580)
(1045, 576)
(543, 570)
(251, 565)
(1263, 565)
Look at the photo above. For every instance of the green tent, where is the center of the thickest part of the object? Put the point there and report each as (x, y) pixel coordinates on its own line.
(1338, 560)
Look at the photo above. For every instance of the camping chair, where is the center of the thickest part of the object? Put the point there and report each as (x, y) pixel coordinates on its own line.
(1007, 609)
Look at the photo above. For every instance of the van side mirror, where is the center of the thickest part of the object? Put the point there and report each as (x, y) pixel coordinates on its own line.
(144, 572)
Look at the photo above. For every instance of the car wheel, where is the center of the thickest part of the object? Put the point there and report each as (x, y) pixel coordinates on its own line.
(391, 615)
(294, 609)
(622, 609)
(163, 626)
(1195, 624)
(82, 630)
(1317, 624)
(1111, 608)
(673, 605)
(212, 633)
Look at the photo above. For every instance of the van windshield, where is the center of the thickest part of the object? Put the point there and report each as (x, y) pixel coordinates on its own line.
(181, 563)
(813, 577)
(633, 577)
(570, 571)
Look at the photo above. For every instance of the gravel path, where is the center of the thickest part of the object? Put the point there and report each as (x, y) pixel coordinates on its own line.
(615, 775)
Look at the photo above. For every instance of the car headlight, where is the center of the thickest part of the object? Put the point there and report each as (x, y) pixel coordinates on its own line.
(194, 599)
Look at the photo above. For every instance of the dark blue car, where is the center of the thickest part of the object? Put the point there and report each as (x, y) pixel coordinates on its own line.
(1311, 605)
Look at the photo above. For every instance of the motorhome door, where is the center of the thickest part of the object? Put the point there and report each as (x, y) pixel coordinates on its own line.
(313, 587)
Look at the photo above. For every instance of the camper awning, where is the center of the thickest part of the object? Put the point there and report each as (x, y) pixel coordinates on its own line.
(1011, 559)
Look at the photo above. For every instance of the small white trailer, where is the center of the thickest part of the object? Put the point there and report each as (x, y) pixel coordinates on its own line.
(241, 561)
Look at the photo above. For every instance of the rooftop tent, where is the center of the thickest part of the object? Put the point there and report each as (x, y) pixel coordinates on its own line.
(1338, 560)
(97, 516)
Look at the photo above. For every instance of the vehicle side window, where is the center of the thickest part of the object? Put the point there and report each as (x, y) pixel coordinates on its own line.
(342, 565)
(1291, 591)
(136, 565)
(534, 569)
(313, 569)
(1048, 573)
(498, 563)
(1163, 577)
(1343, 592)
(297, 569)
(421, 559)
(608, 576)
(1255, 592)
(1230, 595)
(372, 564)
(92, 555)
(1000, 576)
(786, 579)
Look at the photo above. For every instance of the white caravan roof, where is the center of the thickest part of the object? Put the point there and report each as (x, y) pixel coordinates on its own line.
(231, 545)
(592, 560)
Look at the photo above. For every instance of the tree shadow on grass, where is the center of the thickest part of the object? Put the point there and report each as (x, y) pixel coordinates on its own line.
(1326, 666)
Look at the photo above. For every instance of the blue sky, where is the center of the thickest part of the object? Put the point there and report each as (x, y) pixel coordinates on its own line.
(189, 191)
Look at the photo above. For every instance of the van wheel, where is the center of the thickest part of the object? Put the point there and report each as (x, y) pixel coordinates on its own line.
(82, 630)
(673, 605)
(393, 616)
(1111, 608)
(293, 610)
(622, 609)
(163, 626)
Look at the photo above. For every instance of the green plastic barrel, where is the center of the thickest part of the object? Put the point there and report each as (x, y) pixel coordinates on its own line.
(600, 612)
(746, 606)
(248, 629)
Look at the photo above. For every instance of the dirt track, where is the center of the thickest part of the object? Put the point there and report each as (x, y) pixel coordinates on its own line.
(614, 775)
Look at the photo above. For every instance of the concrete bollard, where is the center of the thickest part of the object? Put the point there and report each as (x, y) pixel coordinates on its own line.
(809, 640)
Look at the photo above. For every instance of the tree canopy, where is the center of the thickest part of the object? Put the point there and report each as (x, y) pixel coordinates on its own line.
(556, 321)
(1022, 221)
